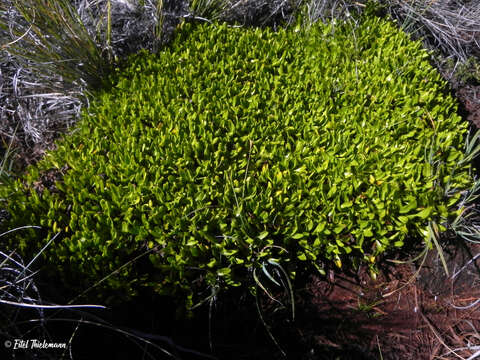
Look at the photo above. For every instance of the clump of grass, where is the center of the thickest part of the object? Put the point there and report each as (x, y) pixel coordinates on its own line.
(328, 11)
(208, 9)
(53, 53)
(30, 112)
(6, 162)
(52, 36)
(261, 12)
(451, 29)
(43, 82)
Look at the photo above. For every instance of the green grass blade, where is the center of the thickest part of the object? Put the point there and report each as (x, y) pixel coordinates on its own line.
(290, 287)
(433, 234)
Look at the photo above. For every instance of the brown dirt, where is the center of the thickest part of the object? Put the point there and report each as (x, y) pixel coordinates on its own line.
(404, 314)
(469, 96)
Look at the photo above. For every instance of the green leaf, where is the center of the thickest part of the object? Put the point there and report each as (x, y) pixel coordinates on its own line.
(346, 205)
(339, 228)
(302, 257)
(319, 228)
(263, 235)
(368, 232)
(224, 271)
(412, 204)
(425, 213)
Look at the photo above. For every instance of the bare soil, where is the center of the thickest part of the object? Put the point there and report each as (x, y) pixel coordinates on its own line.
(409, 312)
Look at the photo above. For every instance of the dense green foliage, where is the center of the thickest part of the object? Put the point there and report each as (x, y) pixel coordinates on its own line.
(236, 146)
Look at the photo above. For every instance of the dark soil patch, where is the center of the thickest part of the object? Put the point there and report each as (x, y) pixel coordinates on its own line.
(469, 96)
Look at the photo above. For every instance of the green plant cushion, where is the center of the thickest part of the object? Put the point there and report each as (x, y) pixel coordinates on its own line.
(237, 146)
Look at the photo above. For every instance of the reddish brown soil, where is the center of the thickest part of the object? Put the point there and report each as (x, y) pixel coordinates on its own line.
(469, 96)
(404, 314)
